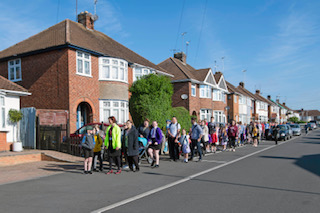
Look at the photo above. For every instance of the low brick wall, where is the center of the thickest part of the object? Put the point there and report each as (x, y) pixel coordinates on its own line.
(4, 145)
(27, 158)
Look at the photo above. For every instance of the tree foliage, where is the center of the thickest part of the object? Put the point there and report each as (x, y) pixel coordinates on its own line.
(183, 117)
(151, 98)
(15, 115)
(294, 119)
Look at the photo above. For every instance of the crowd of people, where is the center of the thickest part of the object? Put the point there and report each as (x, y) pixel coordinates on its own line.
(122, 147)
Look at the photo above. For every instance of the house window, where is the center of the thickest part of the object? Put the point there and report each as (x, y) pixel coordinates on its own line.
(83, 63)
(14, 70)
(219, 116)
(118, 109)
(138, 72)
(205, 114)
(218, 95)
(235, 98)
(193, 90)
(205, 91)
(113, 69)
(3, 112)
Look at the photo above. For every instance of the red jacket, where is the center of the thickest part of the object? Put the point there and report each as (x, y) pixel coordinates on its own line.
(232, 131)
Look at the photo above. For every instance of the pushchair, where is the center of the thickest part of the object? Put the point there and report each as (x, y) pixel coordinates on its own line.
(143, 147)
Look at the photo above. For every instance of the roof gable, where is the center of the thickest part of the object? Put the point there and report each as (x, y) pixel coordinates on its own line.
(222, 83)
(210, 78)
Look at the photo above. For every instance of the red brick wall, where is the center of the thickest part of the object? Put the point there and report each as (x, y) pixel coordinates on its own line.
(233, 112)
(83, 89)
(45, 75)
(4, 146)
(178, 90)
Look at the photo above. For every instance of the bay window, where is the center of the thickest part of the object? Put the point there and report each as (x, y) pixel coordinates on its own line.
(113, 69)
(218, 95)
(205, 91)
(219, 116)
(118, 109)
(205, 114)
(140, 71)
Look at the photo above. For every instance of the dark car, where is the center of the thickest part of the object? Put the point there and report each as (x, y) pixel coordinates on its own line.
(83, 130)
(284, 132)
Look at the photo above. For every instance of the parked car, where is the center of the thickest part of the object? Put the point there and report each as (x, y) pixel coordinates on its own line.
(296, 129)
(284, 132)
(290, 131)
(83, 130)
(311, 126)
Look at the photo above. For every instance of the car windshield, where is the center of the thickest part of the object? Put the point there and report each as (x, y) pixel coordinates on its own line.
(295, 126)
(282, 127)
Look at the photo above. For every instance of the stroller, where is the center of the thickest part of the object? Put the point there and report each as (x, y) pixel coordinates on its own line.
(143, 147)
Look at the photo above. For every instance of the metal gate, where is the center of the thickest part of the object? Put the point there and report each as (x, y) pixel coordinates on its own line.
(28, 128)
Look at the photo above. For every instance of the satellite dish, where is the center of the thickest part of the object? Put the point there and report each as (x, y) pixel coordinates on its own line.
(184, 96)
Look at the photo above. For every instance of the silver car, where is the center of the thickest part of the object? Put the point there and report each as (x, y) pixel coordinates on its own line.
(296, 129)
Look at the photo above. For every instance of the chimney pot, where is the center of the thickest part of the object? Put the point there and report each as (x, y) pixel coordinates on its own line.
(241, 84)
(258, 92)
(269, 97)
(181, 56)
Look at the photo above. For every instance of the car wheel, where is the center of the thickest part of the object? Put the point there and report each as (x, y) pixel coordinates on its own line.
(285, 138)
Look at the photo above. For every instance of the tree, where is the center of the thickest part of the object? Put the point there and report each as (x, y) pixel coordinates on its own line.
(15, 116)
(183, 117)
(294, 119)
(151, 98)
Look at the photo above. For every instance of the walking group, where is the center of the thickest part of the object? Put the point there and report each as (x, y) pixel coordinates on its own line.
(123, 147)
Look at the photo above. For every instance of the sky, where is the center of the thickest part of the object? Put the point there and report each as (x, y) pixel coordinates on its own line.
(277, 42)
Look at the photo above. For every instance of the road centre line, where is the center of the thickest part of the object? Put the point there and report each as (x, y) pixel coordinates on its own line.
(153, 191)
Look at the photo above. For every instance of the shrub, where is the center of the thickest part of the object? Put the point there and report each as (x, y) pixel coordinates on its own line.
(183, 117)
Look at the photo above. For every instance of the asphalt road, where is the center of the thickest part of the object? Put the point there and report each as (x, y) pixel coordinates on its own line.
(283, 178)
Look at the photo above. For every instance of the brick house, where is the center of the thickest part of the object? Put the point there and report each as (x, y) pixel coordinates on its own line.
(233, 102)
(246, 104)
(309, 115)
(283, 112)
(197, 89)
(273, 110)
(261, 107)
(10, 94)
(71, 66)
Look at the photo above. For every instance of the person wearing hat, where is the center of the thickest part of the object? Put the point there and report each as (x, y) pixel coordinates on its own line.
(88, 144)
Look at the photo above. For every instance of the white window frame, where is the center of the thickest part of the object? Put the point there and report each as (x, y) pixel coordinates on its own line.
(205, 91)
(218, 95)
(205, 114)
(12, 64)
(193, 90)
(2, 112)
(115, 108)
(111, 64)
(142, 72)
(219, 116)
(83, 60)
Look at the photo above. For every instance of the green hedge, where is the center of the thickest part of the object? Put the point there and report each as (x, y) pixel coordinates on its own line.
(183, 117)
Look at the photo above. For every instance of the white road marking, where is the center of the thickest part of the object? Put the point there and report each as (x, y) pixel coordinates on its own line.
(153, 191)
(214, 161)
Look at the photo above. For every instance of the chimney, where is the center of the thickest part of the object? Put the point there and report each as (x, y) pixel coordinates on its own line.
(283, 103)
(269, 97)
(86, 19)
(181, 56)
(278, 101)
(241, 84)
(258, 92)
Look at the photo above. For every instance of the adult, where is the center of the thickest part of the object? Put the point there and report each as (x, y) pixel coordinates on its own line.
(154, 140)
(87, 147)
(174, 134)
(232, 135)
(144, 129)
(205, 137)
(97, 149)
(196, 135)
(275, 132)
(267, 128)
(124, 148)
(113, 144)
(132, 144)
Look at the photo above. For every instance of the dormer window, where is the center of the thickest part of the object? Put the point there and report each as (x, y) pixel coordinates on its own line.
(14, 70)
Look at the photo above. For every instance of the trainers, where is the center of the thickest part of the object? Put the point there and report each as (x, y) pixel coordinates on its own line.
(234, 150)
(152, 163)
(156, 166)
(199, 160)
(90, 172)
(118, 172)
(85, 172)
(110, 172)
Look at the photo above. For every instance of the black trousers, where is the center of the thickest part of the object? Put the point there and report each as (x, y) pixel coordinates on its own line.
(97, 155)
(173, 148)
(232, 142)
(117, 161)
(133, 160)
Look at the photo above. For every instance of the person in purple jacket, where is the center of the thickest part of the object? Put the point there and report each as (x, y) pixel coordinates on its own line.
(154, 140)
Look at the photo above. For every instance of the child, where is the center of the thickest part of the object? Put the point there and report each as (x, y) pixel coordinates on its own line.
(214, 139)
(223, 137)
(184, 142)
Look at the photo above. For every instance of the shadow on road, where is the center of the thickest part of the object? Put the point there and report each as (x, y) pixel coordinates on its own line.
(310, 163)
